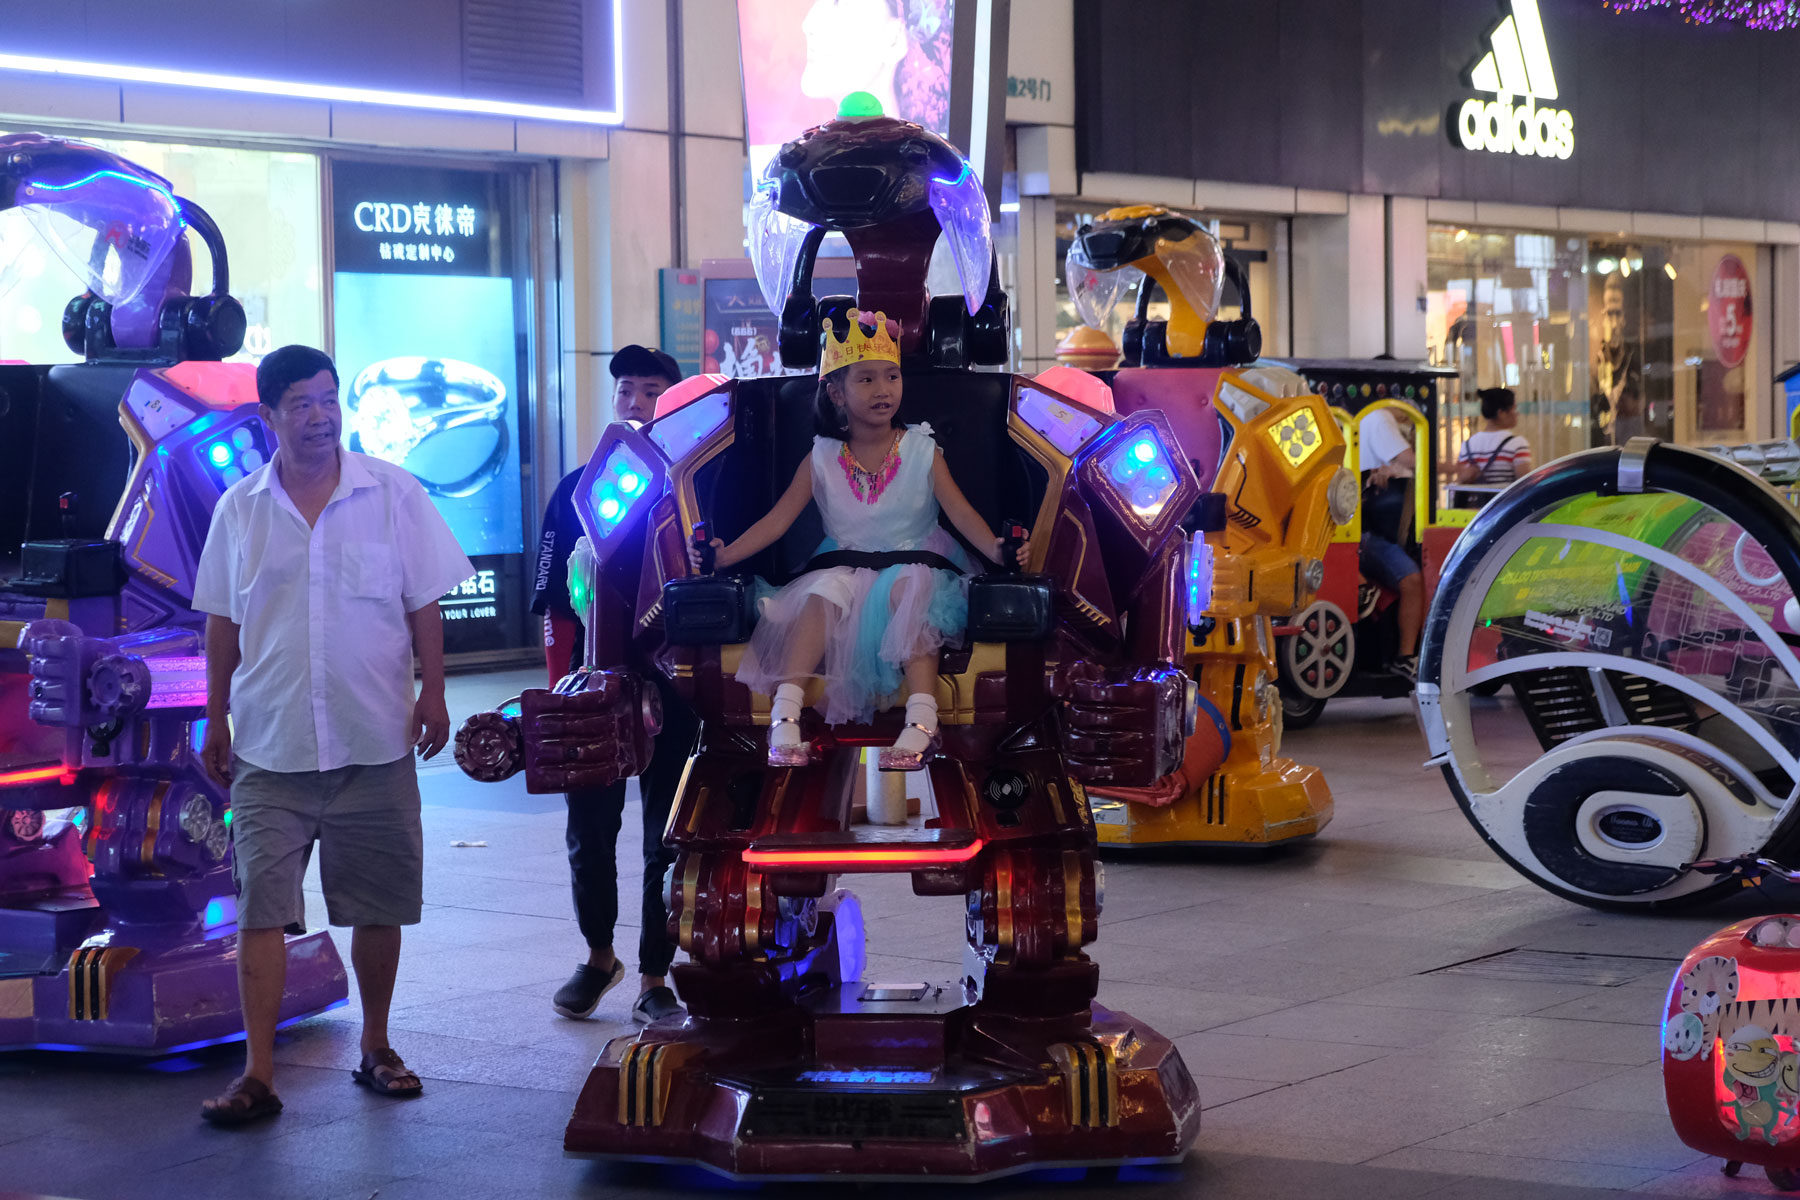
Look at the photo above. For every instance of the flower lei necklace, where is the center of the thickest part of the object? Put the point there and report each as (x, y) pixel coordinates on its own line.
(867, 486)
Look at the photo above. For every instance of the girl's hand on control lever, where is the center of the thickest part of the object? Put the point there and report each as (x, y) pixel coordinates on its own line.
(718, 545)
(998, 554)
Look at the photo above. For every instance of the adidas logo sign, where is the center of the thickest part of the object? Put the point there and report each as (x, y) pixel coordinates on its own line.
(1518, 64)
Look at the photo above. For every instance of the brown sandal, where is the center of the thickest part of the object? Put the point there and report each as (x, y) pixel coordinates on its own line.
(246, 1100)
(383, 1073)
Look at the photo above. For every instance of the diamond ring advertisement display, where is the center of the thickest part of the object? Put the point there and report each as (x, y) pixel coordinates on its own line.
(442, 419)
(429, 290)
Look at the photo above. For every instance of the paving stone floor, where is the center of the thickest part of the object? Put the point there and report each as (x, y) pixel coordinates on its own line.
(1303, 990)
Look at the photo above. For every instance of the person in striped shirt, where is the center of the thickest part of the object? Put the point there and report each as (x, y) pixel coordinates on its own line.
(1495, 454)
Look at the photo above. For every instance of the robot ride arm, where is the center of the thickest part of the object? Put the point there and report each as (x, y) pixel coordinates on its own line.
(593, 728)
(128, 706)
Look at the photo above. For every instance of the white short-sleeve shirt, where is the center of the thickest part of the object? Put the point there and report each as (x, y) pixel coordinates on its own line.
(1379, 440)
(326, 674)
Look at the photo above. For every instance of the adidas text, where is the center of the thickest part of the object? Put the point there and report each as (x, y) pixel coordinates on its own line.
(1499, 127)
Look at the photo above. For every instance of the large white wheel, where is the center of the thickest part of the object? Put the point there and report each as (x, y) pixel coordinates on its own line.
(1613, 819)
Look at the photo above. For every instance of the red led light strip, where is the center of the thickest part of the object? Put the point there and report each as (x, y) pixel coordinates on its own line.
(36, 775)
(851, 857)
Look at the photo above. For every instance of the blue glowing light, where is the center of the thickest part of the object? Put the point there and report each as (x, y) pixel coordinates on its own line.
(220, 454)
(220, 910)
(1624, 595)
(960, 176)
(623, 480)
(87, 179)
(872, 1075)
(1142, 474)
(1199, 579)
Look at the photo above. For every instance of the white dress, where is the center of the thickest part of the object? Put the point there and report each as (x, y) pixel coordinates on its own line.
(876, 619)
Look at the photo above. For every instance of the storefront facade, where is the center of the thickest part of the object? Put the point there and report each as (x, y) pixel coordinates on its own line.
(470, 227)
(1597, 209)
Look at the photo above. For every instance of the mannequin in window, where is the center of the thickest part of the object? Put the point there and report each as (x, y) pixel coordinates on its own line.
(1616, 405)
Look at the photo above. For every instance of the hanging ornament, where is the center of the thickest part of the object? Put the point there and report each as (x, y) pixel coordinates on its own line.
(1751, 14)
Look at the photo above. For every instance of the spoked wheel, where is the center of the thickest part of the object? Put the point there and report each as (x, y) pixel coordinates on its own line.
(1314, 662)
(25, 824)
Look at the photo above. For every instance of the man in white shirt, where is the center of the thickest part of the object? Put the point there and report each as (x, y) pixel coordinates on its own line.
(1387, 460)
(320, 578)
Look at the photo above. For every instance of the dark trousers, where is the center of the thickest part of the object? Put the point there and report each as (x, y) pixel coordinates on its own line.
(595, 815)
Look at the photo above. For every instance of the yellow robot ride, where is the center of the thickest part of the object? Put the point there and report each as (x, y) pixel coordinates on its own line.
(1266, 446)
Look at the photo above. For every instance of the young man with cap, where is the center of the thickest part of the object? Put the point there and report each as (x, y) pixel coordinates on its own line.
(595, 814)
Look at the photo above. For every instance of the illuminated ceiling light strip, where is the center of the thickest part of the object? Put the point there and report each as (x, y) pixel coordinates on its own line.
(849, 858)
(35, 775)
(120, 73)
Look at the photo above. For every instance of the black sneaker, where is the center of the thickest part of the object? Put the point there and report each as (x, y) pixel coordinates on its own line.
(580, 996)
(1406, 668)
(654, 1005)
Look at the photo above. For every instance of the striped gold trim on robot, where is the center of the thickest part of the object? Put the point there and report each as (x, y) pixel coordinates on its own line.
(646, 1074)
(92, 971)
(1091, 1077)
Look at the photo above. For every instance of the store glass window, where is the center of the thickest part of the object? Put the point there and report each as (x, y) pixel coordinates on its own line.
(266, 204)
(1602, 339)
(431, 310)
(1509, 309)
(1675, 343)
(1256, 242)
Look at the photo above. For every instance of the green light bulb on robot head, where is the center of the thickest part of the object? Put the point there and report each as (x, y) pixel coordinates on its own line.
(859, 106)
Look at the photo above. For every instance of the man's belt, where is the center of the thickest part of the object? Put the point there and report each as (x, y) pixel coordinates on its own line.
(877, 560)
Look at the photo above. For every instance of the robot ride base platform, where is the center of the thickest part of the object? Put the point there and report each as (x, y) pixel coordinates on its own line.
(1287, 804)
(116, 998)
(959, 1094)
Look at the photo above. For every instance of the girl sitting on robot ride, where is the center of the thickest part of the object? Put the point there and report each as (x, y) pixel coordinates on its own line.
(886, 588)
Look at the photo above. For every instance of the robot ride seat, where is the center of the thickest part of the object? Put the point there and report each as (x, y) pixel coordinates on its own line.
(1024, 722)
(773, 433)
(102, 710)
(787, 1065)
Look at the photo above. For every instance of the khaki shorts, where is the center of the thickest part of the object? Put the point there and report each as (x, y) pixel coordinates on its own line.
(371, 846)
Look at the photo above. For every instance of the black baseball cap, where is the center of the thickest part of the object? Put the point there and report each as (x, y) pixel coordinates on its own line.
(641, 360)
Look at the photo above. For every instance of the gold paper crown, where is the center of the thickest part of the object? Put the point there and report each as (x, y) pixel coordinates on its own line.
(857, 346)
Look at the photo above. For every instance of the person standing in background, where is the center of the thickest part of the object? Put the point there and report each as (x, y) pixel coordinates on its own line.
(640, 375)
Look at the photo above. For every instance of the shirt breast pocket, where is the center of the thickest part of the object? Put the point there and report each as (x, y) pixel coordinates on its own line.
(369, 571)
